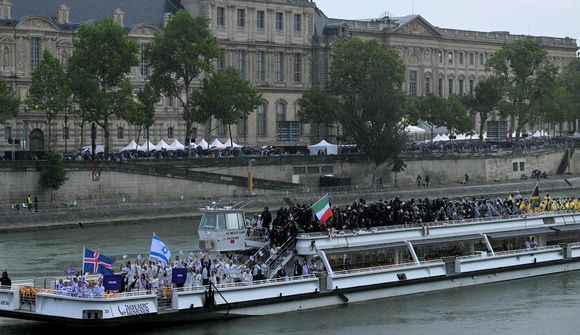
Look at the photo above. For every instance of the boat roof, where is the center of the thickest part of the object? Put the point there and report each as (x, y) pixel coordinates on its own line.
(225, 209)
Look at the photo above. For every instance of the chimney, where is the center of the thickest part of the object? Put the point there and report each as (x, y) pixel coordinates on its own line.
(5, 10)
(118, 15)
(63, 14)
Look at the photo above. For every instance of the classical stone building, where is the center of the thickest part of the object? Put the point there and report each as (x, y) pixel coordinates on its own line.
(282, 46)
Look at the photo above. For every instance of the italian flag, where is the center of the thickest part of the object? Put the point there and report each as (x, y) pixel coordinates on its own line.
(322, 209)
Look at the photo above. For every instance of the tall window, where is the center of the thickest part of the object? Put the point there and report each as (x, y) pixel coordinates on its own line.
(34, 52)
(440, 57)
(221, 16)
(242, 62)
(413, 83)
(450, 57)
(481, 59)
(461, 58)
(471, 58)
(243, 126)
(427, 86)
(280, 66)
(297, 115)
(262, 129)
(170, 132)
(297, 23)
(65, 133)
(460, 86)
(7, 132)
(260, 65)
(280, 112)
(440, 87)
(221, 62)
(450, 86)
(145, 133)
(297, 68)
(145, 65)
(241, 17)
(170, 102)
(260, 19)
(221, 128)
(120, 133)
(471, 85)
(279, 21)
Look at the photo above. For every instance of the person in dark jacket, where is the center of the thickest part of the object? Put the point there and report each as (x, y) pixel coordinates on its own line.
(5, 280)
(266, 219)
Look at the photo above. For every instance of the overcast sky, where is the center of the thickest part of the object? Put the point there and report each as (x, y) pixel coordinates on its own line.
(556, 18)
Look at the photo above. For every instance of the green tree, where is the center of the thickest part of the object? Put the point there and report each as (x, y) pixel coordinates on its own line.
(550, 99)
(52, 174)
(431, 109)
(184, 49)
(227, 97)
(141, 113)
(517, 65)
(569, 81)
(9, 103)
(318, 106)
(49, 90)
(98, 69)
(367, 78)
(485, 101)
(456, 118)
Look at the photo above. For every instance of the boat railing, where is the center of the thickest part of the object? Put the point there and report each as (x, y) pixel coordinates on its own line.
(510, 252)
(245, 284)
(439, 223)
(389, 267)
(573, 245)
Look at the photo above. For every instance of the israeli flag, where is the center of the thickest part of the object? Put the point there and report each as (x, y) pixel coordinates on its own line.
(159, 250)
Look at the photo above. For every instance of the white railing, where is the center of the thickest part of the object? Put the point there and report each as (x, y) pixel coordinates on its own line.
(244, 284)
(438, 224)
(390, 267)
(510, 252)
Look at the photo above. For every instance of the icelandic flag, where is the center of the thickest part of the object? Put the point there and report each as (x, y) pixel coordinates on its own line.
(93, 262)
(159, 250)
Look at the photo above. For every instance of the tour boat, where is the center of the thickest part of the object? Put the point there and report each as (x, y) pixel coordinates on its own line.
(358, 266)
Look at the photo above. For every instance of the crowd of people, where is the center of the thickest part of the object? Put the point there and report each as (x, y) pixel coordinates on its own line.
(81, 286)
(478, 146)
(362, 215)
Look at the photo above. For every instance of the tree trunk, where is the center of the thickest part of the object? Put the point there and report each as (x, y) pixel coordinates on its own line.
(82, 133)
(231, 141)
(481, 126)
(512, 126)
(187, 143)
(50, 139)
(106, 129)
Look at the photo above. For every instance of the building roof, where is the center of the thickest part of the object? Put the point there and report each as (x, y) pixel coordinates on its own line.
(82, 11)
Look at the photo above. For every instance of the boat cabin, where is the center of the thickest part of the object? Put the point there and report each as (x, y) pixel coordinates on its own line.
(222, 229)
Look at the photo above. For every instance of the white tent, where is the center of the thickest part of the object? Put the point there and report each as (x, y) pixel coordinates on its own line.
(229, 142)
(537, 134)
(576, 135)
(162, 145)
(175, 145)
(131, 146)
(98, 149)
(444, 137)
(216, 144)
(460, 137)
(414, 130)
(437, 138)
(144, 146)
(203, 144)
(327, 148)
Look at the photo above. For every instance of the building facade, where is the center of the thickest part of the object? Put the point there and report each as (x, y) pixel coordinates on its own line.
(282, 46)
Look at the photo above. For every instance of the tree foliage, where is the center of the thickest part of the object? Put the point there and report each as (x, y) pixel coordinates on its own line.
(9, 103)
(141, 113)
(518, 66)
(226, 96)
(431, 110)
(98, 69)
(52, 174)
(367, 78)
(485, 100)
(318, 106)
(49, 90)
(184, 49)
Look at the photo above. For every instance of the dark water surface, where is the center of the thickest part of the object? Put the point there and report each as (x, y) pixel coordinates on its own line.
(544, 305)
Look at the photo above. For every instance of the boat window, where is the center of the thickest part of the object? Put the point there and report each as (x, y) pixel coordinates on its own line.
(209, 221)
(241, 220)
(232, 221)
(221, 219)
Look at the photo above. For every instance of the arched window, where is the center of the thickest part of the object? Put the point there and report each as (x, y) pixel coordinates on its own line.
(297, 115)
(261, 117)
(281, 111)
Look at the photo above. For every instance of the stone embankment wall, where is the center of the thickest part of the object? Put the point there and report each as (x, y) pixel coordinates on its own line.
(118, 181)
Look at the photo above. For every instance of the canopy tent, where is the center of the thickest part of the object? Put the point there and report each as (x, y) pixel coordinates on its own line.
(216, 144)
(437, 138)
(176, 145)
(444, 137)
(98, 149)
(539, 133)
(203, 144)
(577, 135)
(131, 146)
(460, 137)
(145, 147)
(229, 144)
(161, 146)
(414, 130)
(327, 148)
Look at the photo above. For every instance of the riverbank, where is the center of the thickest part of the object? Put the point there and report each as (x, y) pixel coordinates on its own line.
(135, 213)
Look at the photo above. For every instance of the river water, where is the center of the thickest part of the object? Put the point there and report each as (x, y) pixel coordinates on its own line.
(544, 305)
